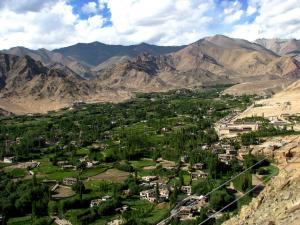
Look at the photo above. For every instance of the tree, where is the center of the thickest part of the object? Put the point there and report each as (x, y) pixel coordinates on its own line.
(79, 188)
(52, 208)
(157, 196)
(249, 161)
(181, 179)
(213, 166)
(219, 199)
(203, 216)
(202, 187)
(243, 182)
(249, 139)
(173, 197)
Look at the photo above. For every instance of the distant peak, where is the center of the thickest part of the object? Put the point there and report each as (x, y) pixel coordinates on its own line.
(144, 43)
(217, 37)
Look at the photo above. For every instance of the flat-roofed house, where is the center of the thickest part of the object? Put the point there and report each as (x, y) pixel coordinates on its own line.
(69, 181)
(9, 159)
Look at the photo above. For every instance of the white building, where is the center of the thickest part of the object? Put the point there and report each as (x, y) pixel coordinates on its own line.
(186, 189)
(9, 159)
(149, 178)
(148, 195)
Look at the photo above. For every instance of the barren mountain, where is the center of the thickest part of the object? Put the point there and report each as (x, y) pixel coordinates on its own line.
(5, 113)
(212, 60)
(27, 85)
(96, 53)
(241, 60)
(209, 61)
(49, 58)
(290, 47)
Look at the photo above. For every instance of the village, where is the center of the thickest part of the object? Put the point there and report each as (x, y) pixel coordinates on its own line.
(153, 169)
(156, 189)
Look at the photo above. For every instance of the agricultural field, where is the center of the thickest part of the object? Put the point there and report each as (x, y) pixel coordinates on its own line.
(110, 153)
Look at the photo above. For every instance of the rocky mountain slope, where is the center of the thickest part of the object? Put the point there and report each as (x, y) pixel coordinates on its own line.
(212, 60)
(49, 58)
(96, 53)
(277, 204)
(61, 79)
(290, 47)
(27, 85)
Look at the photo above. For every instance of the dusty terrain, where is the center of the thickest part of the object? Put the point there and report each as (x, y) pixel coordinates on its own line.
(284, 102)
(113, 175)
(63, 192)
(262, 88)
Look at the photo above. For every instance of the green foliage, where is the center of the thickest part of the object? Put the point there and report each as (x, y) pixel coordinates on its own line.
(220, 198)
(266, 131)
(22, 197)
(43, 221)
(79, 188)
(152, 125)
(202, 187)
(124, 166)
(244, 201)
(243, 182)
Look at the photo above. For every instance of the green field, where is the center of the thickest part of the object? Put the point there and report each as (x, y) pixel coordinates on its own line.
(125, 139)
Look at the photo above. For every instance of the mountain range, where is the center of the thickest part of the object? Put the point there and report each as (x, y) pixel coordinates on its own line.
(42, 80)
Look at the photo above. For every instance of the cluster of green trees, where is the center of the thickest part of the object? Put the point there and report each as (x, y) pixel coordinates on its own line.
(154, 125)
(85, 126)
(23, 197)
(253, 137)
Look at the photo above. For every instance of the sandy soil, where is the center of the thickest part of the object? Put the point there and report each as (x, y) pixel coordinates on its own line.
(113, 175)
(63, 192)
(258, 87)
(28, 105)
(166, 163)
(21, 165)
(149, 167)
(281, 103)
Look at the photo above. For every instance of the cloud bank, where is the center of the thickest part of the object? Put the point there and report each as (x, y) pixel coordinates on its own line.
(56, 23)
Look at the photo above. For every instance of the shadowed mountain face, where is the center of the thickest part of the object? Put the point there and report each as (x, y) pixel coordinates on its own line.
(96, 53)
(209, 61)
(23, 77)
(49, 58)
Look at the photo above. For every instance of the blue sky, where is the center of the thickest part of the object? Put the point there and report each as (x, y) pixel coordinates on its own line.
(56, 23)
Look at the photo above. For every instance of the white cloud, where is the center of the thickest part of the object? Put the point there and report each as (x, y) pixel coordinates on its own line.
(21, 6)
(251, 10)
(90, 7)
(276, 19)
(102, 3)
(236, 16)
(53, 23)
(168, 22)
(162, 22)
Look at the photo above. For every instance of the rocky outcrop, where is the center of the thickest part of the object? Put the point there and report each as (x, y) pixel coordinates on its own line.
(277, 204)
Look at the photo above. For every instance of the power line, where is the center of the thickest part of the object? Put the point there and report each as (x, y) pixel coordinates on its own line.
(217, 188)
(240, 197)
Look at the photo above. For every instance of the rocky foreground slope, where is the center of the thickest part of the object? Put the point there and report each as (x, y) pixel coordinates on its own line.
(277, 204)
